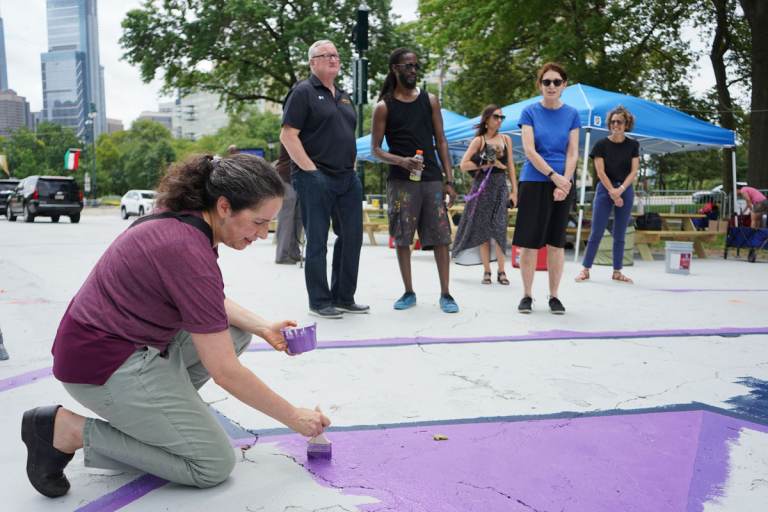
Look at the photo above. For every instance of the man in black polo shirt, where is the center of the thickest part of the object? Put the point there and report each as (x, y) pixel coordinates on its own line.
(319, 134)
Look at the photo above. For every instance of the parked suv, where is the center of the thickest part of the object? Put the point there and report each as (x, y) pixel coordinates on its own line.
(7, 186)
(137, 202)
(45, 196)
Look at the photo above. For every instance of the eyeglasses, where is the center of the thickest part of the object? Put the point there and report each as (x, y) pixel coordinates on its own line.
(411, 66)
(327, 56)
(556, 82)
(617, 121)
(500, 117)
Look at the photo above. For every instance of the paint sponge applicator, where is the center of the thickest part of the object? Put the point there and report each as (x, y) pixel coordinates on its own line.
(319, 447)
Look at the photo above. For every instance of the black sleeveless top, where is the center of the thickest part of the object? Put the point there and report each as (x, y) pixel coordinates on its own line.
(409, 127)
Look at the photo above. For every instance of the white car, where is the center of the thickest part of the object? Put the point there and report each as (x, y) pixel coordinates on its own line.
(137, 202)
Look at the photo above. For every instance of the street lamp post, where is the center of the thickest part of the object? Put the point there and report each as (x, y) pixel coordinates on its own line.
(90, 123)
(360, 75)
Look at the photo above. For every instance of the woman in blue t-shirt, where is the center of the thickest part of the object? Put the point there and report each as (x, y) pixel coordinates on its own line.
(616, 159)
(550, 133)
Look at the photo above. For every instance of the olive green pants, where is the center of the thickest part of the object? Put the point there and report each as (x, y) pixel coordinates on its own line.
(156, 421)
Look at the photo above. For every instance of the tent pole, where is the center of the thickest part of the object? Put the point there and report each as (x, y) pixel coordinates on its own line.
(733, 175)
(582, 195)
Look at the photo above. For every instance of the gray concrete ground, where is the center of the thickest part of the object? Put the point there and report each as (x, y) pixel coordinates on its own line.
(664, 341)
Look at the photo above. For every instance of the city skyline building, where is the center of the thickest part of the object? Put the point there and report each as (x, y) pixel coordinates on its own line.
(3, 60)
(14, 112)
(73, 78)
(114, 125)
(164, 118)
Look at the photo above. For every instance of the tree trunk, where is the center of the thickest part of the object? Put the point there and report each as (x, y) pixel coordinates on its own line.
(721, 43)
(756, 12)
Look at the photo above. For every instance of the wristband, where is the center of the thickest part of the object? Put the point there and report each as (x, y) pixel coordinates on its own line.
(549, 176)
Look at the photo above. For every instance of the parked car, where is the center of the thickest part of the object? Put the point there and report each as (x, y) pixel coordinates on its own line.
(137, 202)
(716, 195)
(45, 196)
(7, 186)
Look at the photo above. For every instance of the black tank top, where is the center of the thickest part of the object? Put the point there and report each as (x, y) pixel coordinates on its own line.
(409, 127)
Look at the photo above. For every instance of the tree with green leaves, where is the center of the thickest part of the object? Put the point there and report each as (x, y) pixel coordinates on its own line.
(247, 50)
(40, 152)
(756, 12)
(495, 47)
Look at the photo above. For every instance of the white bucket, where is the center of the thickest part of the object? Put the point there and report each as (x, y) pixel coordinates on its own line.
(678, 256)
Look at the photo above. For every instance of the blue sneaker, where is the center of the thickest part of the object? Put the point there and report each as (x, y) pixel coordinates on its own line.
(408, 300)
(448, 304)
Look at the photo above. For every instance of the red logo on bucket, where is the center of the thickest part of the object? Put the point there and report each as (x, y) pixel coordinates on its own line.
(685, 261)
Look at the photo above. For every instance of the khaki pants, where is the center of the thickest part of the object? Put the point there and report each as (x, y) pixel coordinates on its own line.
(156, 421)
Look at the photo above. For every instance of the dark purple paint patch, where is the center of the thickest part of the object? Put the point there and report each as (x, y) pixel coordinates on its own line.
(126, 494)
(632, 463)
(710, 469)
(24, 379)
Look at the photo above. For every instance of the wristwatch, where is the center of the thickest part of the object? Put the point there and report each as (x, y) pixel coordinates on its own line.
(449, 183)
(549, 176)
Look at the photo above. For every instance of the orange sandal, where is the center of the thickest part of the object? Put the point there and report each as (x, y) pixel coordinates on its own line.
(618, 276)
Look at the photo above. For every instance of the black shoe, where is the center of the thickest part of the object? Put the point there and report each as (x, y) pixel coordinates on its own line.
(326, 312)
(525, 306)
(556, 307)
(45, 464)
(357, 309)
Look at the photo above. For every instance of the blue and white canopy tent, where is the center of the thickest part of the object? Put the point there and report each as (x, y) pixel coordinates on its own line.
(450, 119)
(658, 129)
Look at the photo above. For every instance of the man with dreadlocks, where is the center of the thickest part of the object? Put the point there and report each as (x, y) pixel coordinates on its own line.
(411, 121)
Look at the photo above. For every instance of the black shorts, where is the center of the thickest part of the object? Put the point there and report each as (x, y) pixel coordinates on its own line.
(540, 219)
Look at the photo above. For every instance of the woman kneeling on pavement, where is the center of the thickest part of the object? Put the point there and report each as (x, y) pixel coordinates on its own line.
(151, 325)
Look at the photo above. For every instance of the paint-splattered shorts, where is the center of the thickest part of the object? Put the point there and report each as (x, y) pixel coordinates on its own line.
(418, 205)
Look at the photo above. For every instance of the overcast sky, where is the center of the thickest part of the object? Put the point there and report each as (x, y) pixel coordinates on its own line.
(127, 95)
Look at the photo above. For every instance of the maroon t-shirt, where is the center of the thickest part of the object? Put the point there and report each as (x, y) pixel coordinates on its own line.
(154, 280)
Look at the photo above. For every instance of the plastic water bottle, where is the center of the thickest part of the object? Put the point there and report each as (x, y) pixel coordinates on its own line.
(416, 175)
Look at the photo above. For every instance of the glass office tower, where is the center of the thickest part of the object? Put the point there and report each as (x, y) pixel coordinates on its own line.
(3, 62)
(73, 79)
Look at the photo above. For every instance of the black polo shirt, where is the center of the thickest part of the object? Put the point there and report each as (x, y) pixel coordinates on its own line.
(326, 125)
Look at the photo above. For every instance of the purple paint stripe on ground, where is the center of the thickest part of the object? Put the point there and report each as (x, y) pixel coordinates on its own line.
(24, 378)
(532, 336)
(692, 290)
(124, 495)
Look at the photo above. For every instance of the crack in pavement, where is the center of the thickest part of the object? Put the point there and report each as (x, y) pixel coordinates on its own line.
(509, 497)
(508, 395)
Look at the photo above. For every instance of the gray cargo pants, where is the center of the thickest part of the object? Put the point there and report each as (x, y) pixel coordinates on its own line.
(156, 421)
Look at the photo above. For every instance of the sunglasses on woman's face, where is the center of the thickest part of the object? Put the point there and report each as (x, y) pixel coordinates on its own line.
(617, 121)
(556, 82)
(500, 117)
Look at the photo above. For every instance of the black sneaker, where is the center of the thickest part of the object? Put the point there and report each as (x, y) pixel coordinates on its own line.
(355, 309)
(525, 306)
(556, 307)
(326, 312)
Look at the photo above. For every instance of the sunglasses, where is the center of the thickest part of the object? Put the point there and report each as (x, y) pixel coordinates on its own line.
(617, 121)
(556, 82)
(499, 116)
(410, 66)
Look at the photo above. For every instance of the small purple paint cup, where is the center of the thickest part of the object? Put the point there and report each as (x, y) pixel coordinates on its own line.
(300, 339)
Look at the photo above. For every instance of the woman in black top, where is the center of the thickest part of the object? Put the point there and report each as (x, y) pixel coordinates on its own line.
(616, 159)
(489, 159)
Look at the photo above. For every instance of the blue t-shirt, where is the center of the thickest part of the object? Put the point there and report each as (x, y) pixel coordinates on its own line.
(551, 129)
